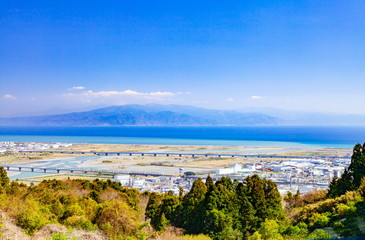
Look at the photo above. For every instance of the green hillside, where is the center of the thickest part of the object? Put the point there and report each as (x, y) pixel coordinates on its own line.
(221, 210)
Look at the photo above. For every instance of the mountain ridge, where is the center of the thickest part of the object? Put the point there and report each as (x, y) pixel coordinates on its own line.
(147, 115)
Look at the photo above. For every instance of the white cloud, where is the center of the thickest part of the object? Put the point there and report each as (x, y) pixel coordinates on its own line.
(77, 88)
(112, 97)
(230, 100)
(99, 94)
(10, 97)
(257, 97)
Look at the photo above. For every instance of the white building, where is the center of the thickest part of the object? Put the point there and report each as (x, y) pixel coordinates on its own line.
(123, 179)
(236, 168)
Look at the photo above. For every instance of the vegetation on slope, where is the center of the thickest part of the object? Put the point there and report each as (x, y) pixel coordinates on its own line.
(251, 209)
(223, 210)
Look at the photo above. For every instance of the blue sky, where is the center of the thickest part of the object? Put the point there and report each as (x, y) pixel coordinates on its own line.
(290, 54)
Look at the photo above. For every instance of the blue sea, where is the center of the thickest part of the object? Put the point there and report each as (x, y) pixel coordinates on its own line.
(227, 136)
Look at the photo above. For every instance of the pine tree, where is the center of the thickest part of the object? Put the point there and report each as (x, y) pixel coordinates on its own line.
(357, 166)
(352, 176)
(153, 209)
(4, 180)
(169, 206)
(256, 195)
(273, 201)
(246, 211)
(209, 182)
(191, 215)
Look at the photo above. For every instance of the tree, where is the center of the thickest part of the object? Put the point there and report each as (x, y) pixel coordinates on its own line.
(4, 180)
(269, 230)
(153, 210)
(209, 182)
(246, 211)
(357, 166)
(169, 206)
(351, 178)
(191, 216)
(256, 196)
(273, 201)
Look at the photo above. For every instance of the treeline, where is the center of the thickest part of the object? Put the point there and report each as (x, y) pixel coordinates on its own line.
(253, 209)
(91, 205)
(223, 210)
(353, 175)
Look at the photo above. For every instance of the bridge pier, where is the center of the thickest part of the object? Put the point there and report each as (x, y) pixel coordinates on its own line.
(192, 155)
(8, 168)
(45, 170)
(180, 155)
(142, 154)
(106, 154)
(167, 155)
(154, 154)
(58, 171)
(20, 169)
(71, 171)
(32, 169)
(130, 154)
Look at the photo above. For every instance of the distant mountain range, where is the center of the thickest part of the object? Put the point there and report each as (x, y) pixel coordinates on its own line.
(147, 115)
(180, 115)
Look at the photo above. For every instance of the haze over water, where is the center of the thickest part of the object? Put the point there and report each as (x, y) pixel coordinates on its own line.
(234, 136)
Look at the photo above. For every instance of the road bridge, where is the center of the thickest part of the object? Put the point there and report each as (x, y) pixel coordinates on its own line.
(179, 154)
(19, 167)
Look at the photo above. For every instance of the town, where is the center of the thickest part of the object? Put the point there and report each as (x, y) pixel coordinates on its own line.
(291, 174)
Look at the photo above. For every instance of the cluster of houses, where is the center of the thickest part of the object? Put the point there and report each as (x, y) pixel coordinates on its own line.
(162, 184)
(21, 146)
(302, 174)
(290, 175)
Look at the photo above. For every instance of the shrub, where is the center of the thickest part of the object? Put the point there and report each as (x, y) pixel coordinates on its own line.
(117, 218)
(90, 207)
(318, 220)
(302, 225)
(319, 234)
(194, 237)
(270, 230)
(255, 236)
(80, 222)
(30, 221)
(73, 210)
(59, 236)
(292, 230)
(342, 209)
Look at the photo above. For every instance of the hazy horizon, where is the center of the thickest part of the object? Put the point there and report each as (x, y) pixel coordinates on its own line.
(58, 57)
(266, 110)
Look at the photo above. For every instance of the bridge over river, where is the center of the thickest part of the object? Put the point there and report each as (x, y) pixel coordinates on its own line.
(167, 154)
(19, 167)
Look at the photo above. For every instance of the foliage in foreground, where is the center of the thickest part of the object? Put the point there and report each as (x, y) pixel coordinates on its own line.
(226, 209)
(351, 178)
(82, 204)
(252, 209)
(223, 210)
